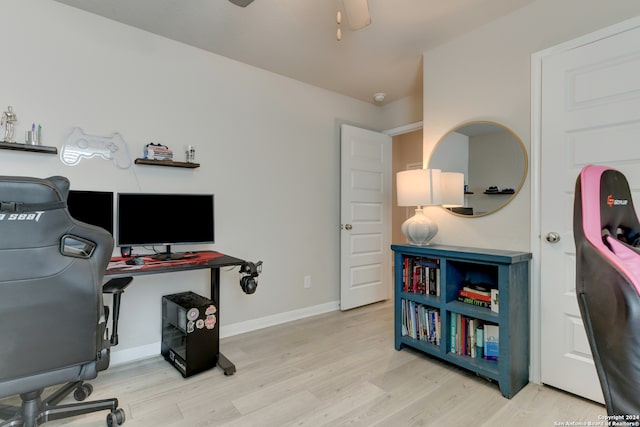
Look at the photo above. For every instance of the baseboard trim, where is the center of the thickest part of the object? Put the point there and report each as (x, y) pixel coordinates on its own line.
(277, 319)
(119, 357)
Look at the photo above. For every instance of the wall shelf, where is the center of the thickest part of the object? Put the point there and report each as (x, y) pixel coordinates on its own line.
(169, 163)
(31, 148)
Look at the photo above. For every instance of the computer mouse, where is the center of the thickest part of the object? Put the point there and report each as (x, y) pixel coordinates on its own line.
(135, 261)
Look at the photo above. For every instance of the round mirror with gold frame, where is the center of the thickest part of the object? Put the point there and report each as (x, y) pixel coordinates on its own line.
(493, 160)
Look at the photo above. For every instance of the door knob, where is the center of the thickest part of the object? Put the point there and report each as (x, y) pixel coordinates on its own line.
(553, 237)
(348, 227)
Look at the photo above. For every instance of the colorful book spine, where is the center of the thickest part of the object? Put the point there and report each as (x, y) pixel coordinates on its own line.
(475, 295)
(421, 276)
(453, 321)
(467, 337)
(491, 342)
(475, 302)
(420, 322)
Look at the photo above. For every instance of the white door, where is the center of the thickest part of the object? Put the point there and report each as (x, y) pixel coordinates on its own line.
(590, 114)
(365, 217)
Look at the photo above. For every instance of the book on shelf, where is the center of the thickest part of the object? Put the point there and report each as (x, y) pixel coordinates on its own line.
(480, 341)
(459, 340)
(471, 337)
(491, 341)
(481, 288)
(477, 295)
(472, 301)
(495, 306)
(434, 280)
(453, 333)
(421, 276)
(470, 293)
(420, 322)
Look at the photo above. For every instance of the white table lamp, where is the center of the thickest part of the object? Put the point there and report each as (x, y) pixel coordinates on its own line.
(419, 187)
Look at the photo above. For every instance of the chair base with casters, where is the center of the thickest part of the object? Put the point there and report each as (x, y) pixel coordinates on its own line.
(35, 410)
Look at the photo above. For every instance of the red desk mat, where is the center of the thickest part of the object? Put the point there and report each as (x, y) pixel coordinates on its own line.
(118, 265)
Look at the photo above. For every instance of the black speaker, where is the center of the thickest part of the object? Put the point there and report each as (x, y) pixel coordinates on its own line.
(189, 332)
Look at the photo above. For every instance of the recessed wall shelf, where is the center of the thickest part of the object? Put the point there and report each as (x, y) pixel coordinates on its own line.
(169, 163)
(31, 148)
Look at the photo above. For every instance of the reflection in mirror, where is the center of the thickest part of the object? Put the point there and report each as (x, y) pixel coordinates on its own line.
(492, 159)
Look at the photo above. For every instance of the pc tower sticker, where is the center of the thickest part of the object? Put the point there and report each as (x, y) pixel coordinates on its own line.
(210, 321)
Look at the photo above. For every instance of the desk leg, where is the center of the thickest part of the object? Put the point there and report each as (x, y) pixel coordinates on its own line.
(227, 366)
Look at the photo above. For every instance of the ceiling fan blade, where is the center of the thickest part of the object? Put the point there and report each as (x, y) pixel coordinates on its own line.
(357, 12)
(241, 3)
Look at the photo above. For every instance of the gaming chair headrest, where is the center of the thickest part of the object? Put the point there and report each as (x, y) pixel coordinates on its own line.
(605, 223)
(605, 191)
(18, 189)
(33, 211)
(62, 184)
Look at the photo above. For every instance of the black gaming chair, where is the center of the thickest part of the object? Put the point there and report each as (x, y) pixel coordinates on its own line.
(52, 323)
(606, 232)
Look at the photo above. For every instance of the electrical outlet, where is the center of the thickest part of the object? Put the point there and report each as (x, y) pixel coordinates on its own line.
(307, 282)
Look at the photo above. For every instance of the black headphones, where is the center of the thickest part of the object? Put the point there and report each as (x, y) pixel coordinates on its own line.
(249, 281)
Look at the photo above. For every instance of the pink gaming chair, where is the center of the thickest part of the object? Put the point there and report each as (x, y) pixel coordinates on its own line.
(607, 238)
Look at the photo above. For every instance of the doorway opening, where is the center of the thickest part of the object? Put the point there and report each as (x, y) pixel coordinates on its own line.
(407, 154)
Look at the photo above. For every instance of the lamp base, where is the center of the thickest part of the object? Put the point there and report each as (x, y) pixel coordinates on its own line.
(419, 229)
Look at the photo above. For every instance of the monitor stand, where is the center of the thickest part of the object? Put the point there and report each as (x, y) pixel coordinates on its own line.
(168, 255)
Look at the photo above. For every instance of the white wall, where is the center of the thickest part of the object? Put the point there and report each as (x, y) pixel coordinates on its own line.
(403, 111)
(485, 75)
(268, 146)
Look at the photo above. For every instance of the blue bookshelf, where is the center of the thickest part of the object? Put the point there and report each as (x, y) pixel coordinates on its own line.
(506, 271)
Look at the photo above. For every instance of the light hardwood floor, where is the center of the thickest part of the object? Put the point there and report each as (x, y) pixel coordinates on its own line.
(336, 369)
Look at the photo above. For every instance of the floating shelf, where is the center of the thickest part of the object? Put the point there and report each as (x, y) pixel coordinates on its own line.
(31, 148)
(169, 163)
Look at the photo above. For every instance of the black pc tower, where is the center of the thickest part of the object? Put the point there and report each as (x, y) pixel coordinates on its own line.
(189, 332)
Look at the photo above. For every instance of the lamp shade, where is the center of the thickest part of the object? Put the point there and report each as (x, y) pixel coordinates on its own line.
(452, 189)
(419, 187)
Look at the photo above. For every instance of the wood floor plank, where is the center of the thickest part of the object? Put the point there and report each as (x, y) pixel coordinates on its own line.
(335, 369)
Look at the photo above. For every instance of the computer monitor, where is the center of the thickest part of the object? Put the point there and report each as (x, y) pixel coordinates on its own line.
(92, 207)
(152, 219)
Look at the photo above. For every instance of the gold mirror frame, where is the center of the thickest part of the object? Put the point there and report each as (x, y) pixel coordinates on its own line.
(482, 198)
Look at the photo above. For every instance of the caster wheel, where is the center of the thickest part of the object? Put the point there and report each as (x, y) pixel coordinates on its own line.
(82, 392)
(116, 418)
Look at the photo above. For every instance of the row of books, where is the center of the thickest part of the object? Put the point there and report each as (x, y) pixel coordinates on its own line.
(474, 338)
(421, 276)
(479, 296)
(420, 322)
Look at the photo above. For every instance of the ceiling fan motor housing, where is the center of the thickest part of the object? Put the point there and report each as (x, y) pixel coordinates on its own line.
(241, 3)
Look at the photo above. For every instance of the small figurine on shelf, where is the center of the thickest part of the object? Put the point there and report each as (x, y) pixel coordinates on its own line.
(8, 120)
